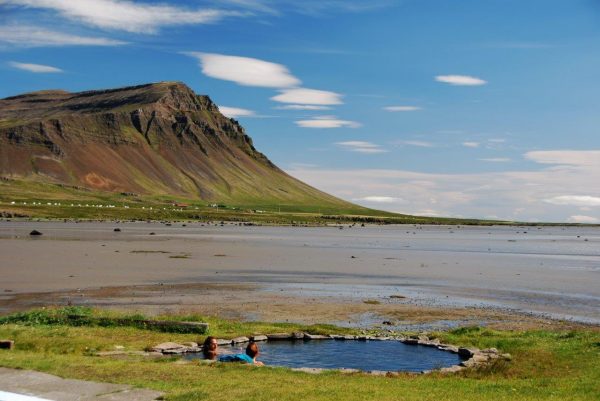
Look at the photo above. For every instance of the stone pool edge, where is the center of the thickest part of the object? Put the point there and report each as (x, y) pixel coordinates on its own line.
(474, 357)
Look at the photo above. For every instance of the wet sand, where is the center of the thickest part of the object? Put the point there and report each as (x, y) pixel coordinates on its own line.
(432, 276)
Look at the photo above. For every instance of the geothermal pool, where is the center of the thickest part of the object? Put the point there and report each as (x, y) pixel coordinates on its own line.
(363, 355)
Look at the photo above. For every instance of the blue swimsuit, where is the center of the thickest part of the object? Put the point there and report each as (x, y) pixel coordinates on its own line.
(236, 358)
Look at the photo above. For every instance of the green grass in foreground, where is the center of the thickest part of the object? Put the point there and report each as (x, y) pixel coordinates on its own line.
(546, 365)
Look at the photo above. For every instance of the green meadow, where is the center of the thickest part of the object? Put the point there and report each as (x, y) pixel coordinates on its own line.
(20, 198)
(545, 365)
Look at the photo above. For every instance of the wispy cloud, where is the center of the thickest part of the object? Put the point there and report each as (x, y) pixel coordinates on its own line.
(310, 7)
(327, 122)
(361, 147)
(553, 193)
(574, 200)
(565, 157)
(35, 68)
(496, 159)
(401, 108)
(245, 70)
(324, 7)
(32, 36)
(235, 112)
(471, 144)
(302, 107)
(460, 80)
(305, 96)
(420, 144)
(125, 15)
(583, 219)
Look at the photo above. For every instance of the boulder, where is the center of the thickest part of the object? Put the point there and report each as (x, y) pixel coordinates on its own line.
(467, 352)
(449, 348)
(168, 346)
(221, 341)
(468, 363)
(259, 338)
(239, 340)
(490, 351)
(315, 337)
(177, 351)
(480, 358)
(298, 335)
(280, 336)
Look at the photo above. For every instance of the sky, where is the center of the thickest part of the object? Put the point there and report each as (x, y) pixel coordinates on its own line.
(458, 108)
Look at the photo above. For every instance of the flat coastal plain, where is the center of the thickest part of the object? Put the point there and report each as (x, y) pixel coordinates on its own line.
(411, 277)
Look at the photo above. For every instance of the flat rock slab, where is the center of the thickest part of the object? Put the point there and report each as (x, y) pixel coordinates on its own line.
(54, 388)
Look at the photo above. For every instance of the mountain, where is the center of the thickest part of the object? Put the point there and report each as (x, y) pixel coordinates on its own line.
(158, 139)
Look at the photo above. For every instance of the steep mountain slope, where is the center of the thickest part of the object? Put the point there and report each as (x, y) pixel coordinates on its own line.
(154, 139)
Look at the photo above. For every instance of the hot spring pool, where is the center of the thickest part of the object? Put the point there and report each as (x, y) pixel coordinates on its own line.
(363, 355)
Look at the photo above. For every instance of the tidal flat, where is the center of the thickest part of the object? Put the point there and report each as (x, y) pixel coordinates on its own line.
(408, 276)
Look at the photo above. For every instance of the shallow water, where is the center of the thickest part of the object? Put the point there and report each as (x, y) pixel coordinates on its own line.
(364, 355)
(549, 271)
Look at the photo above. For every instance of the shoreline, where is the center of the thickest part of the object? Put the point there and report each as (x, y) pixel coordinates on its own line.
(268, 273)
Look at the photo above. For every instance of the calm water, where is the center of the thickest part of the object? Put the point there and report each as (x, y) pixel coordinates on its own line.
(549, 271)
(363, 355)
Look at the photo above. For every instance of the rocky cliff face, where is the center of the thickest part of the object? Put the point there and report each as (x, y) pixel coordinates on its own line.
(159, 139)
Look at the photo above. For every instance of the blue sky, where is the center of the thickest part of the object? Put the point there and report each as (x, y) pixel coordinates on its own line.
(475, 108)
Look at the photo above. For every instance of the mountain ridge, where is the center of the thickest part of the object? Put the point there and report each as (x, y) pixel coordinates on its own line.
(154, 139)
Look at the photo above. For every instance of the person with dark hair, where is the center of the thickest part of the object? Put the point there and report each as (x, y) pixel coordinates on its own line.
(249, 357)
(209, 348)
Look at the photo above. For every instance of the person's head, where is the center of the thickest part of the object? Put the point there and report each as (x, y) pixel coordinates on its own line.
(209, 348)
(252, 350)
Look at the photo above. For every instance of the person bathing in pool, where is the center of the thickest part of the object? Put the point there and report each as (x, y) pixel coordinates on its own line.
(249, 357)
(209, 348)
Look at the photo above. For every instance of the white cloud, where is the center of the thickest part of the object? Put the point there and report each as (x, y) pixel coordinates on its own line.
(302, 107)
(235, 112)
(471, 144)
(401, 108)
(310, 7)
(245, 70)
(327, 122)
(361, 147)
(496, 159)
(565, 157)
(378, 199)
(125, 15)
(420, 144)
(509, 195)
(35, 68)
(460, 80)
(583, 219)
(574, 200)
(308, 96)
(32, 36)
